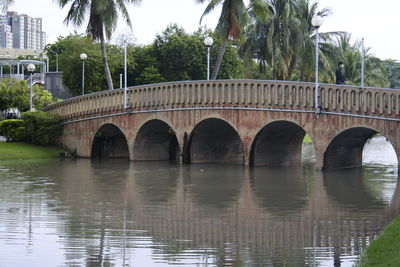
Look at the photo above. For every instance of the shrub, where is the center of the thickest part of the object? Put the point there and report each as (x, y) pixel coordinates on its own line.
(12, 130)
(41, 128)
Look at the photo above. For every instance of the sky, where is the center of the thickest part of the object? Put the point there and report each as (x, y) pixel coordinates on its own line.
(375, 21)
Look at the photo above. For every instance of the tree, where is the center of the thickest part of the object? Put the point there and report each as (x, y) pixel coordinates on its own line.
(4, 4)
(375, 69)
(393, 71)
(15, 94)
(103, 17)
(69, 48)
(233, 19)
(181, 56)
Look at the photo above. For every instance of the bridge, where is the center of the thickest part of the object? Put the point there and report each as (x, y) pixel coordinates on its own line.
(250, 122)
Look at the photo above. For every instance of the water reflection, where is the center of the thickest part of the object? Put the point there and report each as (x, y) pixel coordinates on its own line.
(92, 213)
(211, 187)
(280, 190)
(347, 187)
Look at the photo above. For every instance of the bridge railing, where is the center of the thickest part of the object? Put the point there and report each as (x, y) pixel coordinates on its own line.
(273, 95)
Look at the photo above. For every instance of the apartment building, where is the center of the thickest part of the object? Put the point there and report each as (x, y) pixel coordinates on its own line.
(26, 32)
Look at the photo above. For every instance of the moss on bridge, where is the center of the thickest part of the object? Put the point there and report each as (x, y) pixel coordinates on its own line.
(384, 251)
(25, 151)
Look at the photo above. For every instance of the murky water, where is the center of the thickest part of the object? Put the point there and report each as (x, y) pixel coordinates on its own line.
(119, 213)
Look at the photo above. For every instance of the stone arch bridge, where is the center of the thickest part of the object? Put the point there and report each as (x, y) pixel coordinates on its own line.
(250, 122)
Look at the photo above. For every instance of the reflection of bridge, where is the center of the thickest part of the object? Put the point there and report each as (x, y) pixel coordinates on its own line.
(244, 121)
(238, 209)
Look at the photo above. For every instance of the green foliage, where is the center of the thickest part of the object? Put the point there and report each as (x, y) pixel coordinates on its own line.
(12, 130)
(69, 49)
(384, 251)
(175, 55)
(41, 128)
(182, 56)
(15, 94)
(393, 73)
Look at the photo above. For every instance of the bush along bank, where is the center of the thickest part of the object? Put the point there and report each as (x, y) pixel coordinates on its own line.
(37, 127)
(385, 250)
(32, 136)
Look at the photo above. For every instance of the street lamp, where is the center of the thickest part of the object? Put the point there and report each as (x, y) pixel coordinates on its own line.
(125, 76)
(31, 68)
(56, 58)
(316, 21)
(362, 62)
(208, 41)
(83, 58)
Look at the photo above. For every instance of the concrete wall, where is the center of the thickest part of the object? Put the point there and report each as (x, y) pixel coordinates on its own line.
(54, 84)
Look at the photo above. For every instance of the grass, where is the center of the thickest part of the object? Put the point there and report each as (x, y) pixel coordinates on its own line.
(307, 139)
(24, 151)
(385, 250)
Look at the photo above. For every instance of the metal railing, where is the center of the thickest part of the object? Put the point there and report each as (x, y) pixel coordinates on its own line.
(36, 78)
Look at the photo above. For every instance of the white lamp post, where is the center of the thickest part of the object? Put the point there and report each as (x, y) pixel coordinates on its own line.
(83, 58)
(125, 76)
(31, 68)
(362, 62)
(316, 21)
(208, 42)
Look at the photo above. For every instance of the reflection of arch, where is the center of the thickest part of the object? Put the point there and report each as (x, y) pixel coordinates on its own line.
(347, 188)
(156, 181)
(345, 150)
(277, 144)
(215, 140)
(109, 142)
(156, 140)
(281, 189)
(211, 187)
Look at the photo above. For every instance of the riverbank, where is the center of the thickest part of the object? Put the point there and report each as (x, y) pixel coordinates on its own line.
(384, 251)
(25, 151)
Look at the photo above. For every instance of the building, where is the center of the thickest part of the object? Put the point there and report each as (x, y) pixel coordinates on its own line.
(22, 31)
(6, 36)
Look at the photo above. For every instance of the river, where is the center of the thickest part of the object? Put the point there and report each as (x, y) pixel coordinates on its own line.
(121, 213)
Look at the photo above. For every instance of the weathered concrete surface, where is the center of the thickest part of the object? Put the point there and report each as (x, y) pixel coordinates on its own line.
(249, 121)
(285, 128)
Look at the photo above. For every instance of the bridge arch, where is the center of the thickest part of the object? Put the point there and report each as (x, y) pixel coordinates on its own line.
(278, 143)
(155, 140)
(214, 140)
(346, 148)
(109, 142)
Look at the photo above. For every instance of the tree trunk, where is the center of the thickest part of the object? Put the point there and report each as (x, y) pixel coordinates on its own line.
(105, 63)
(219, 60)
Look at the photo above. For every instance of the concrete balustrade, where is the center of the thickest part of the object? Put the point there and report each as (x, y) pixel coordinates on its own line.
(235, 93)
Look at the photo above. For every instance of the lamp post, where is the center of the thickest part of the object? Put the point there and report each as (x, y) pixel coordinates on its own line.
(83, 58)
(362, 62)
(208, 41)
(316, 21)
(125, 76)
(56, 58)
(31, 68)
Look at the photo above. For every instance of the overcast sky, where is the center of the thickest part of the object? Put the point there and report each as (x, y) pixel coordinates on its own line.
(377, 21)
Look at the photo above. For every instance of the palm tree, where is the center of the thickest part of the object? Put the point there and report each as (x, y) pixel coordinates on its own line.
(103, 17)
(375, 69)
(230, 25)
(4, 4)
(275, 38)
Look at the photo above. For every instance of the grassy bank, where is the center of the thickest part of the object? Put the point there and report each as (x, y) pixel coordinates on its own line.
(25, 151)
(384, 251)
